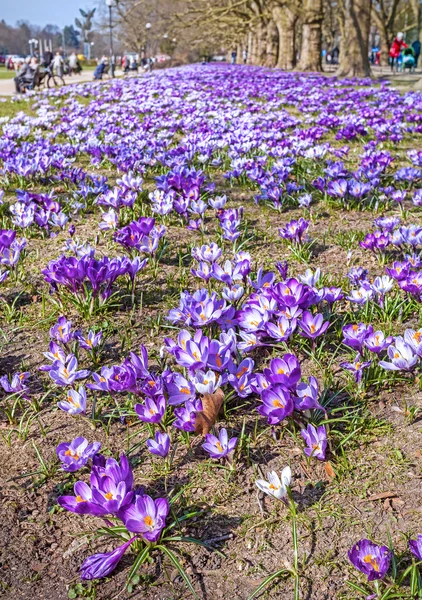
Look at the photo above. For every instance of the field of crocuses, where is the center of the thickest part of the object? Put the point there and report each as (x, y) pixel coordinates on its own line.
(211, 338)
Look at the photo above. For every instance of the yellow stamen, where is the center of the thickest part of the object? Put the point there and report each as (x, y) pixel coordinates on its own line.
(371, 560)
(148, 521)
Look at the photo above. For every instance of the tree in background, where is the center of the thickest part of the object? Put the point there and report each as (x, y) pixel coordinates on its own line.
(71, 36)
(354, 55)
(14, 40)
(311, 48)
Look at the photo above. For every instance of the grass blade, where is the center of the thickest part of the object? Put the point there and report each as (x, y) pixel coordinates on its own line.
(267, 581)
(179, 567)
(139, 560)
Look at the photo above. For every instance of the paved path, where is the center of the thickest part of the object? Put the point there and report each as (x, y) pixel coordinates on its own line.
(7, 86)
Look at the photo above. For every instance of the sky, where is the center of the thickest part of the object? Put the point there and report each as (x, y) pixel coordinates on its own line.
(43, 12)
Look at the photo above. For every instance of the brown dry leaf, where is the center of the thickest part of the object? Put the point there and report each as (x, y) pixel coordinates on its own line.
(329, 470)
(211, 407)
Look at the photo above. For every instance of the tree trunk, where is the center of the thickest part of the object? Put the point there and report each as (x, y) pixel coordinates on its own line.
(272, 44)
(311, 49)
(417, 11)
(285, 20)
(354, 60)
(385, 43)
(253, 56)
(249, 47)
(262, 42)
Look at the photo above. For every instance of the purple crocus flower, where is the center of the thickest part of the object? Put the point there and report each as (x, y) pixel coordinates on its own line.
(118, 378)
(146, 516)
(282, 330)
(415, 547)
(61, 331)
(414, 340)
(186, 415)
(75, 454)
(331, 294)
(221, 446)
(401, 355)
(102, 564)
(282, 268)
(295, 231)
(357, 275)
(277, 404)
(312, 326)
(316, 440)
(387, 223)
(204, 271)
(160, 445)
(56, 353)
(153, 410)
(356, 367)
(67, 374)
(292, 293)
(16, 385)
(7, 237)
(233, 294)
(208, 254)
(110, 491)
(337, 188)
(285, 371)
(355, 334)
(307, 395)
(90, 341)
(75, 403)
(192, 352)
(370, 559)
(179, 389)
(377, 341)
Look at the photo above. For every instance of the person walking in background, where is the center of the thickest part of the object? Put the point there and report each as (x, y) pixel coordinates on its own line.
(21, 69)
(133, 65)
(417, 50)
(408, 60)
(234, 55)
(395, 51)
(47, 58)
(99, 70)
(74, 64)
(245, 56)
(58, 63)
(26, 74)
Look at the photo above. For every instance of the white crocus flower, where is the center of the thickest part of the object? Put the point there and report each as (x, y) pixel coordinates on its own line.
(310, 278)
(206, 383)
(275, 487)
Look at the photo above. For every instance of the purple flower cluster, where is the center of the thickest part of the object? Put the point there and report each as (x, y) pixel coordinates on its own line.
(141, 235)
(87, 275)
(111, 493)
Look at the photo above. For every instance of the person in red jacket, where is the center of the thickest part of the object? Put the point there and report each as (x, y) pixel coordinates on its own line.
(395, 50)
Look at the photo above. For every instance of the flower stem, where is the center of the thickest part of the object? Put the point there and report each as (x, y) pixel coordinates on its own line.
(292, 508)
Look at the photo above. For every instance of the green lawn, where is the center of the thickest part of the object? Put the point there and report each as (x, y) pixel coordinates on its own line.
(6, 73)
